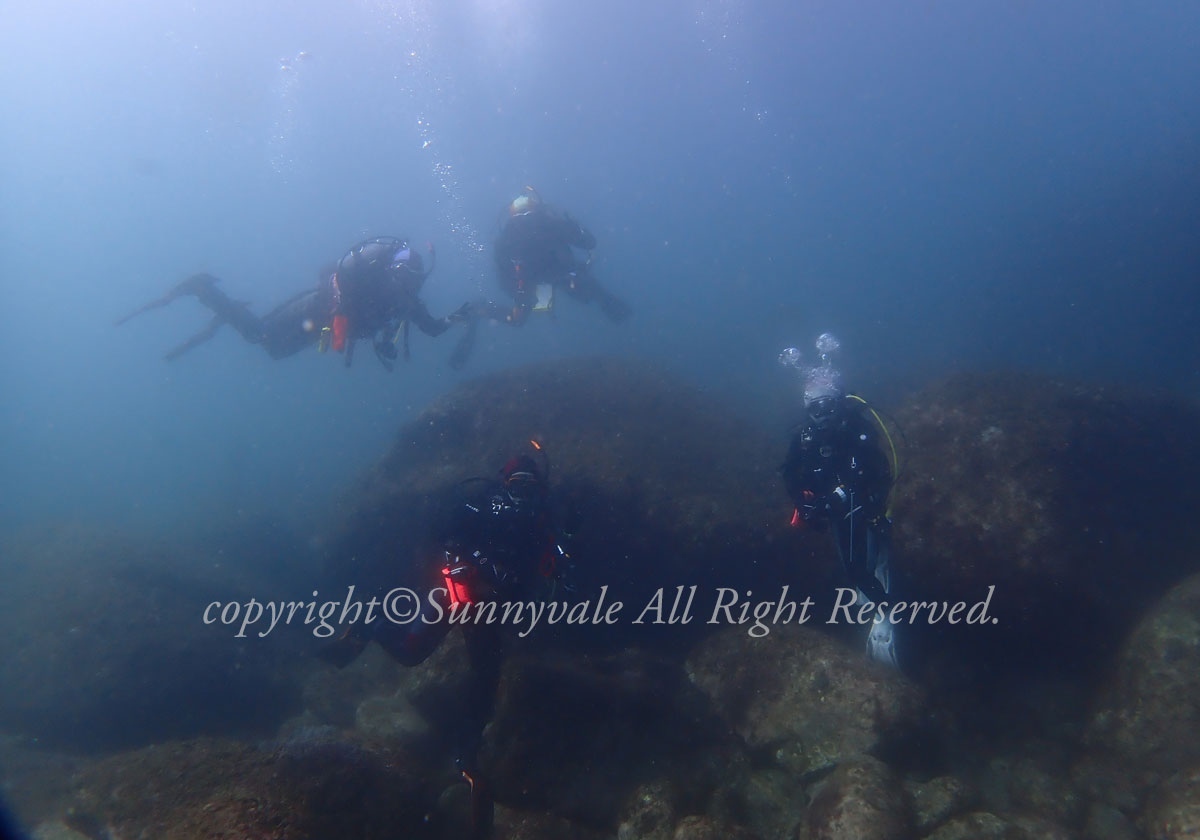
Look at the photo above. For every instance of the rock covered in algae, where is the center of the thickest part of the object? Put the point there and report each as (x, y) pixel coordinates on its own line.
(107, 647)
(1149, 714)
(812, 700)
(1075, 502)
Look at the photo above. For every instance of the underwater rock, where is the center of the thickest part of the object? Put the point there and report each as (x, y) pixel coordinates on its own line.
(1149, 715)
(937, 800)
(649, 816)
(1033, 777)
(1046, 791)
(1075, 502)
(317, 784)
(333, 695)
(811, 700)
(982, 825)
(511, 824)
(769, 800)
(707, 828)
(1173, 809)
(580, 735)
(57, 831)
(436, 688)
(394, 719)
(33, 781)
(106, 647)
(1104, 822)
(861, 800)
(666, 485)
(381, 698)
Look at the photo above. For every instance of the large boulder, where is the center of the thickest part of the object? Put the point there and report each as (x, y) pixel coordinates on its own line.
(316, 784)
(983, 825)
(106, 647)
(1173, 810)
(1075, 502)
(535, 825)
(1149, 714)
(936, 800)
(861, 800)
(809, 700)
(603, 738)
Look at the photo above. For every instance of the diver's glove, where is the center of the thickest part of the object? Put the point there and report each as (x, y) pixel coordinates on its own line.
(813, 511)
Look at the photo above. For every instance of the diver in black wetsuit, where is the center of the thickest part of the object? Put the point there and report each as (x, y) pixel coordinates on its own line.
(838, 476)
(501, 542)
(372, 293)
(535, 255)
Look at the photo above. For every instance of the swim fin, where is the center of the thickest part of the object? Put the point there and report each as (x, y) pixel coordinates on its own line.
(881, 643)
(193, 285)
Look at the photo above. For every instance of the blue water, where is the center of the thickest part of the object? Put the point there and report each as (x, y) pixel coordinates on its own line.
(945, 186)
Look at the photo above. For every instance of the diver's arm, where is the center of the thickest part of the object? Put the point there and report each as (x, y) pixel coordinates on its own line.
(575, 234)
(418, 313)
(794, 472)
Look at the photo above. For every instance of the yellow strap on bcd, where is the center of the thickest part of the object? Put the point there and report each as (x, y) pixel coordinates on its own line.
(895, 460)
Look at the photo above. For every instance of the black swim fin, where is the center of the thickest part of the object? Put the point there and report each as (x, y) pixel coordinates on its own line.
(193, 285)
(199, 338)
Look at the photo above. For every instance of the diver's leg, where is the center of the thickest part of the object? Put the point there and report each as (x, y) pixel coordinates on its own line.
(190, 286)
(862, 549)
(485, 652)
(293, 325)
(879, 551)
(583, 286)
(233, 312)
(203, 287)
(199, 338)
(881, 641)
(852, 534)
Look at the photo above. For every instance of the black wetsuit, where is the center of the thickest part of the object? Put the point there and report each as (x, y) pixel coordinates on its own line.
(374, 290)
(379, 291)
(496, 546)
(536, 248)
(837, 474)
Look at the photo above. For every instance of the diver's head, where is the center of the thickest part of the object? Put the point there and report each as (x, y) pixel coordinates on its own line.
(525, 203)
(824, 412)
(523, 479)
(408, 267)
(823, 395)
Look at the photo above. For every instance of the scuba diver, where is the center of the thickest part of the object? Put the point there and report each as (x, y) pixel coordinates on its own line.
(502, 541)
(838, 476)
(535, 255)
(372, 293)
